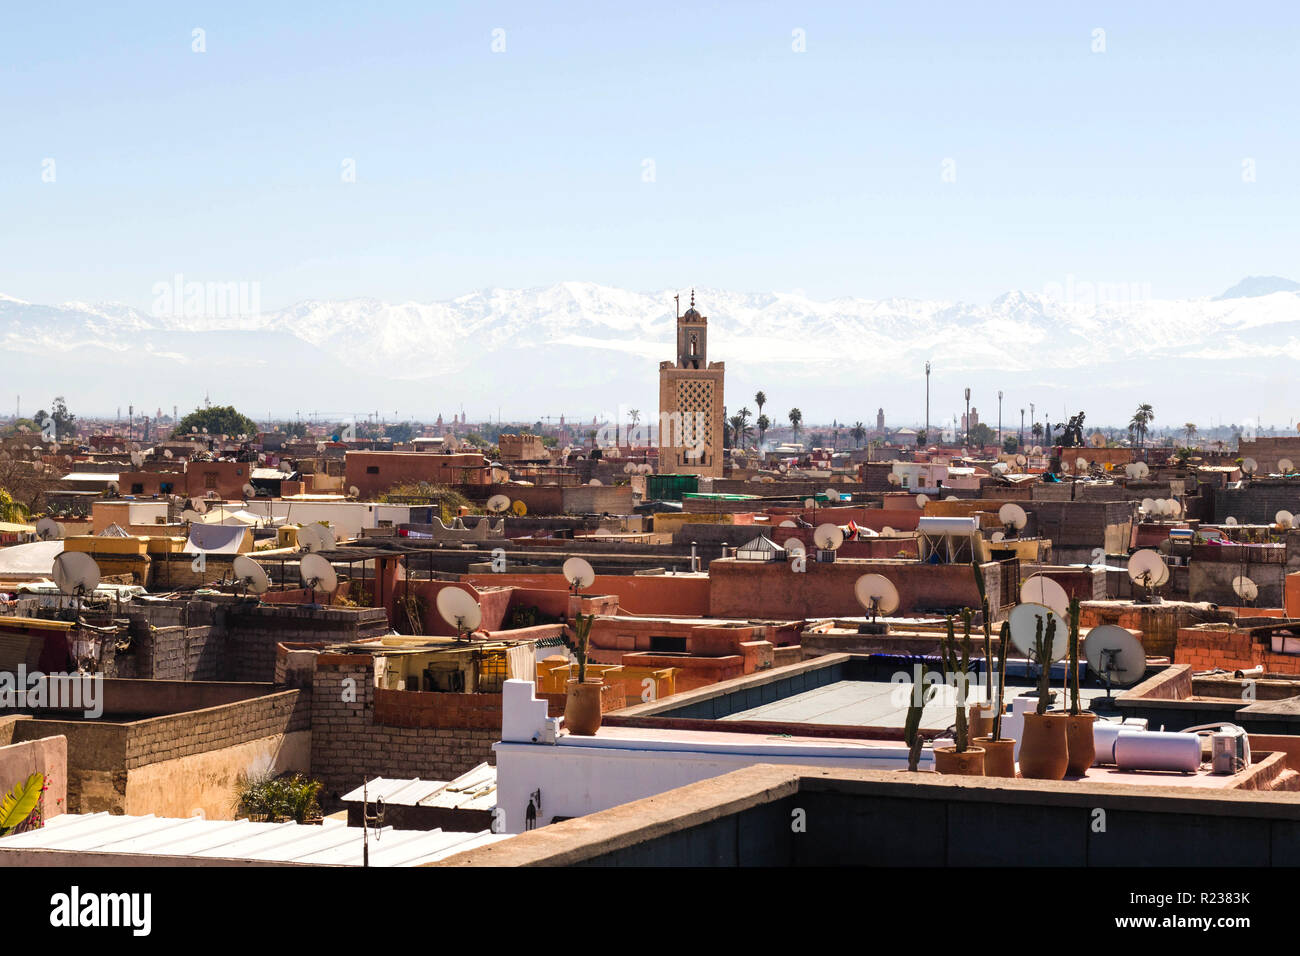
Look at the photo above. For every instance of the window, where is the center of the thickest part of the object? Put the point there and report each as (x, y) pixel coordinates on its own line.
(667, 644)
(210, 479)
(372, 469)
(137, 488)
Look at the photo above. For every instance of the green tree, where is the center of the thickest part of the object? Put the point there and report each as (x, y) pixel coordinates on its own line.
(1011, 444)
(1141, 422)
(399, 431)
(859, 433)
(796, 420)
(763, 423)
(760, 399)
(218, 420)
(981, 435)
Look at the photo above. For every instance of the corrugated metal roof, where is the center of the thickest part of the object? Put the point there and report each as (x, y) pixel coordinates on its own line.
(330, 844)
(473, 790)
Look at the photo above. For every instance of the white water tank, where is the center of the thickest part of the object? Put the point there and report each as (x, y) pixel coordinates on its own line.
(1157, 750)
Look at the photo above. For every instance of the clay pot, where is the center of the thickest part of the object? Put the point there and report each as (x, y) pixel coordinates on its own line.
(582, 707)
(969, 764)
(999, 756)
(1044, 753)
(980, 720)
(1080, 746)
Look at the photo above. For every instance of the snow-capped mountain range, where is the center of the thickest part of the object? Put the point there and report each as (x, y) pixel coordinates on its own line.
(585, 350)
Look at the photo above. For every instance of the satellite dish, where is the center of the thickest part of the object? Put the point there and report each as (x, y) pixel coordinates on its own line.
(877, 594)
(922, 500)
(286, 468)
(315, 537)
(794, 546)
(787, 523)
(199, 505)
(997, 536)
(578, 572)
(1114, 655)
(250, 575)
(1143, 469)
(1175, 507)
(1246, 588)
(1285, 466)
(886, 531)
(47, 529)
(459, 609)
(1285, 518)
(1081, 463)
(1012, 515)
(1021, 460)
(1001, 468)
(1250, 466)
(1036, 450)
(1148, 506)
(519, 508)
(1065, 466)
(250, 491)
(1024, 620)
(137, 459)
(1147, 569)
(317, 574)
(1098, 440)
(828, 537)
(191, 516)
(596, 482)
(354, 491)
(112, 487)
(168, 453)
(76, 573)
(894, 479)
(1230, 521)
(1040, 589)
(831, 494)
(498, 503)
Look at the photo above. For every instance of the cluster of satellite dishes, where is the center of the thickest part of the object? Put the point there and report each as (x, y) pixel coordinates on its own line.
(316, 537)
(499, 504)
(631, 468)
(1112, 653)
(1137, 470)
(1161, 507)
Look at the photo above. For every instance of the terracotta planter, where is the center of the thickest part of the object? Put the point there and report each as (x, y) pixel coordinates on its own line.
(1081, 747)
(582, 707)
(1044, 753)
(980, 721)
(999, 756)
(969, 764)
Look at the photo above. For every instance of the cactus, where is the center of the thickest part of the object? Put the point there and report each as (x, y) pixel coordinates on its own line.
(578, 644)
(1073, 676)
(1004, 636)
(1042, 646)
(957, 668)
(912, 731)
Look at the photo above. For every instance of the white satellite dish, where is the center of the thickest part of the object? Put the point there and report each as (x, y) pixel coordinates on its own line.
(498, 503)
(47, 529)
(998, 536)
(1012, 515)
(828, 537)
(1230, 521)
(1114, 655)
(1021, 460)
(877, 594)
(595, 482)
(1147, 569)
(1285, 466)
(894, 479)
(1001, 468)
(1250, 466)
(1148, 506)
(794, 546)
(1081, 463)
(1065, 467)
(922, 500)
(579, 573)
(168, 453)
(1284, 518)
(315, 537)
(285, 468)
(354, 491)
(886, 531)
(1023, 621)
(1143, 469)
(831, 494)
(1040, 589)
(787, 523)
(459, 609)
(1246, 589)
(137, 459)
(191, 516)
(76, 573)
(250, 575)
(1175, 507)
(317, 574)
(1036, 450)
(250, 491)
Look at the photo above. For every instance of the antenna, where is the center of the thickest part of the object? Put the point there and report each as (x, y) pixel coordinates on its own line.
(498, 504)
(250, 575)
(578, 572)
(1023, 622)
(1040, 589)
(878, 595)
(459, 609)
(76, 574)
(47, 529)
(1246, 589)
(1147, 569)
(1250, 466)
(1114, 655)
(317, 574)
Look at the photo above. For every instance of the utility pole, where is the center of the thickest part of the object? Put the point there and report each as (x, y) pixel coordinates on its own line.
(1031, 421)
(1020, 440)
(968, 418)
(999, 419)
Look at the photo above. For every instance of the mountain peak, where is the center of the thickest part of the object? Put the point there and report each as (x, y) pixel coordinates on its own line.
(1253, 286)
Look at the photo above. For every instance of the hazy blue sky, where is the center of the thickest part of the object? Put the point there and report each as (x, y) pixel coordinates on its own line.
(773, 169)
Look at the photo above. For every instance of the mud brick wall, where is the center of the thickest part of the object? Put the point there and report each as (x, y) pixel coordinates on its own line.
(254, 632)
(213, 728)
(348, 745)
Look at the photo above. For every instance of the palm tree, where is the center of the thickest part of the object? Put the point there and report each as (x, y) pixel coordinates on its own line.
(1037, 430)
(859, 432)
(796, 419)
(1190, 429)
(760, 399)
(739, 430)
(763, 423)
(635, 415)
(1141, 419)
(745, 429)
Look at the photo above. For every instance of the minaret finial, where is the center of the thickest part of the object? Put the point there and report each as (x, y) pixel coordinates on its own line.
(692, 298)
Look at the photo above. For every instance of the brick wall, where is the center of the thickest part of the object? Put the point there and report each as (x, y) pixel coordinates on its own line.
(348, 745)
(213, 728)
(1205, 648)
(254, 632)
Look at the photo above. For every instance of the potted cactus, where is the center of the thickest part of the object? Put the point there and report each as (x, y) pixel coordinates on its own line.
(1043, 753)
(999, 752)
(582, 702)
(961, 758)
(921, 695)
(981, 713)
(1080, 746)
